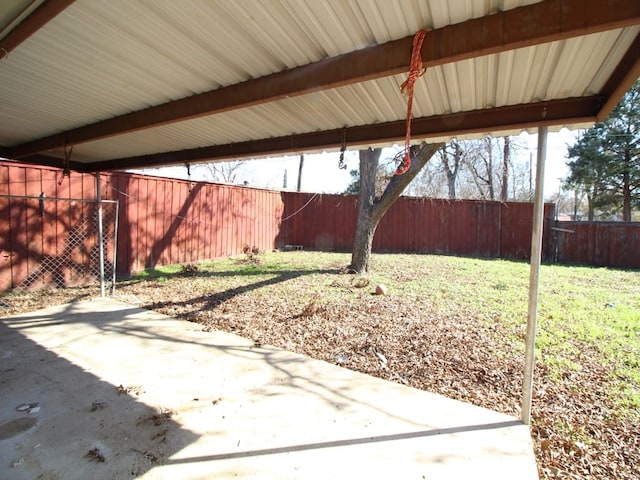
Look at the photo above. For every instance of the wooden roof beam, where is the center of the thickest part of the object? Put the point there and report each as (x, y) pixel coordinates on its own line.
(30, 25)
(49, 161)
(622, 79)
(538, 23)
(555, 112)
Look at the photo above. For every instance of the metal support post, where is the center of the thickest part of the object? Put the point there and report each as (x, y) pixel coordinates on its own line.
(534, 275)
(100, 235)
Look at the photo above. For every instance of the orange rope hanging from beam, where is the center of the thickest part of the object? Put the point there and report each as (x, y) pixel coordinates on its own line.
(416, 70)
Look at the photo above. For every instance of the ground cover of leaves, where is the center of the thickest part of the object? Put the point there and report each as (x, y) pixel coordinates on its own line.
(446, 325)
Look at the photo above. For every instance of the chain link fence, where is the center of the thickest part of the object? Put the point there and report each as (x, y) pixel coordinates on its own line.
(56, 242)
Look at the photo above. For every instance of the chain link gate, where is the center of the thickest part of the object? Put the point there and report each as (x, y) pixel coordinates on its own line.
(56, 242)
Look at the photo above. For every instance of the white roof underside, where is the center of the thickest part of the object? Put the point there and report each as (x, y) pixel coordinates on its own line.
(102, 58)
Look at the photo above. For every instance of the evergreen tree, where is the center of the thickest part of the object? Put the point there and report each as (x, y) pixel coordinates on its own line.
(605, 161)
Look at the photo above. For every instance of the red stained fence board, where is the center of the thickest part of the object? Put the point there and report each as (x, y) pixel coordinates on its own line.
(611, 244)
(458, 227)
(166, 221)
(161, 221)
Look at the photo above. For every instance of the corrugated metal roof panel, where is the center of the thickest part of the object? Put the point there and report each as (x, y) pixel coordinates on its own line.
(122, 56)
(558, 65)
(103, 58)
(608, 54)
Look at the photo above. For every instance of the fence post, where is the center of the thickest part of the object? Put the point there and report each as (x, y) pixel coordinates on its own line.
(100, 235)
(115, 249)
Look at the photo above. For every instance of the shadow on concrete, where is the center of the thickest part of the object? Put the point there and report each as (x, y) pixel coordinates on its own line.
(285, 367)
(349, 442)
(82, 426)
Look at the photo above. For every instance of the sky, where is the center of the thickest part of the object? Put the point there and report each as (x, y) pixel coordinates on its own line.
(321, 173)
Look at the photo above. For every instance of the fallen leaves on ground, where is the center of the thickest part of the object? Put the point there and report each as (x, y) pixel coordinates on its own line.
(95, 454)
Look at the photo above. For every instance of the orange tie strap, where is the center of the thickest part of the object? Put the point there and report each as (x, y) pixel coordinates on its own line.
(416, 70)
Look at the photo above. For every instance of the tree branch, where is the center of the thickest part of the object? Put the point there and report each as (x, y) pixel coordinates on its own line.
(419, 158)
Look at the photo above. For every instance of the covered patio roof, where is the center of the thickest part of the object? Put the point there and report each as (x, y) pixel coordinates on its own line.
(96, 85)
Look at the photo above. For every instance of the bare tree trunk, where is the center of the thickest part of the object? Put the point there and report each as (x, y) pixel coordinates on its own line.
(300, 172)
(451, 171)
(504, 191)
(492, 194)
(626, 197)
(370, 209)
(365, 227)
(451, 184)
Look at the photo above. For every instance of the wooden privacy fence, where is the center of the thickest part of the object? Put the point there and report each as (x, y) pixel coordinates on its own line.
(602, 244)
(161, 221)
(165, 221)
(456, 227)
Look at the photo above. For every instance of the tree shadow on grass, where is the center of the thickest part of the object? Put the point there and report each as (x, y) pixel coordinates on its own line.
(213, 300)
(245, 267)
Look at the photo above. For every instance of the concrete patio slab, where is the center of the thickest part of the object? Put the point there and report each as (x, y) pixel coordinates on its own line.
(116, 391)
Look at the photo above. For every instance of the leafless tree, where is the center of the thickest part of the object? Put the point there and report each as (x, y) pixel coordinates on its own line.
(371, 208)
(225, 172)
(430, 182)
(506, 160)
(451, 156)
(481, 162)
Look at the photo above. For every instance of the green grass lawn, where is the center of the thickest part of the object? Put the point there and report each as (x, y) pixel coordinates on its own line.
(579, 309)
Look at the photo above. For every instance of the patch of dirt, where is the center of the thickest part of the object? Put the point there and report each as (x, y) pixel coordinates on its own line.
(401, 338)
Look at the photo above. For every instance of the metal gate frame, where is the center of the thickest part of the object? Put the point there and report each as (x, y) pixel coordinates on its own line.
(87, 236)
